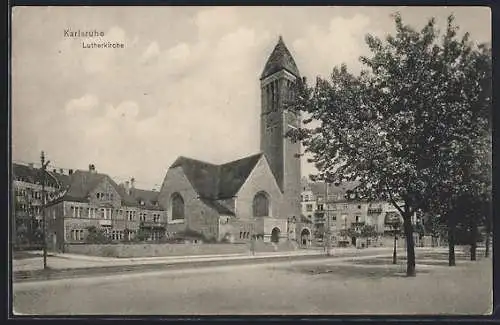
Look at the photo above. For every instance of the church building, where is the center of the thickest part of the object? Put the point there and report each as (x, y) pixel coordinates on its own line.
(255, 196)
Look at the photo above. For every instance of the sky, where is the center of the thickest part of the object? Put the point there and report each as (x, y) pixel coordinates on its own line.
(185, 83)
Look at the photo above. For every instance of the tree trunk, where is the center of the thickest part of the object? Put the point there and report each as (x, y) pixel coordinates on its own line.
(451, 242)
(473, 244)
(487, 243)
(410, 246)
(394, 253)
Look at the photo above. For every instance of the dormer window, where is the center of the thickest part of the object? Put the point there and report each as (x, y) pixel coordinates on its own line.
(142, 202)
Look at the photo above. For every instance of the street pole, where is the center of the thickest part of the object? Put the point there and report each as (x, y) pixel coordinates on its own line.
(327, 242)
(44, 220)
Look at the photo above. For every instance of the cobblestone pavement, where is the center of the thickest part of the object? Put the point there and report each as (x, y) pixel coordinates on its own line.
(334, 286)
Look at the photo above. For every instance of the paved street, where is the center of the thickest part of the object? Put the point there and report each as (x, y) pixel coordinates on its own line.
(73, 261)
(349, 285)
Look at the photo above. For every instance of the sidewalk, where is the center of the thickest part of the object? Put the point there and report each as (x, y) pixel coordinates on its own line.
(74, 261)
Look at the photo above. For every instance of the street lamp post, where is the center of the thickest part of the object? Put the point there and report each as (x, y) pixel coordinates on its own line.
(328, 235)
(394, 253)
(44, 220)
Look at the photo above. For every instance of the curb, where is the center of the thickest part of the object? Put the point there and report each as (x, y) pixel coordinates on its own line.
(54, 274)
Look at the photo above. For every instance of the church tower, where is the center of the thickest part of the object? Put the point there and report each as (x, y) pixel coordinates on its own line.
(276, 82)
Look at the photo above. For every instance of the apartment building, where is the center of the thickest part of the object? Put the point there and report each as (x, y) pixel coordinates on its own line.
(26, 201)
(95, 200)
(335, 208)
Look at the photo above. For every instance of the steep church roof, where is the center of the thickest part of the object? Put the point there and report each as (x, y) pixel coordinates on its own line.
(202, 175)
(280, 59)
(217, 181)
(233, 174)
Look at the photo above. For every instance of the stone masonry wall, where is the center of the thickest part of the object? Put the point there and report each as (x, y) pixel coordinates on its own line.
(155, 250)
(198, 216)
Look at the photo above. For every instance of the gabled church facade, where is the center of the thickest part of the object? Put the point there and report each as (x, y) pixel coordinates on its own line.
(256, 196)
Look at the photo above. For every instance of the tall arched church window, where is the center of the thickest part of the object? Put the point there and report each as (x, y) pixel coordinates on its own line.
(177, 207)
(261, 205)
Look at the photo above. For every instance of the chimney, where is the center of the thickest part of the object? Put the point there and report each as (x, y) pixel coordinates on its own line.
(132, 182)
(61, 171)
(30, 165)
(92, 168)
(127, 187)
(70, 172)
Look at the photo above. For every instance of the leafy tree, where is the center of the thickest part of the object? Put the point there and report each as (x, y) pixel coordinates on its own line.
(367, 232)
(395, 127)
(463, 176)
(96, 236)
(435, 226)
(142, 234)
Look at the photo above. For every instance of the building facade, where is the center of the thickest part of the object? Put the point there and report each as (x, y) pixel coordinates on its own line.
(336, 209)
(26, 213)
(95, 201)
(254, 197)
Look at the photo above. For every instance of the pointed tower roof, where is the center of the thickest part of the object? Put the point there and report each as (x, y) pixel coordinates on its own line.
(280, 59)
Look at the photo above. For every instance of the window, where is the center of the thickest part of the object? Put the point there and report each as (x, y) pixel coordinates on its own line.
(73, 212)
(309, 207)
(320, 207)
(345, 206)
(241, 234)
(261, 205)
(77, 235)
(359, 207)
(103, 213)
(177, 207)
(334, 218)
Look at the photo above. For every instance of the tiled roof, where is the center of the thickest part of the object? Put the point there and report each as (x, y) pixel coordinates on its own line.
(202, 175)
(150, 198)
(26, 173)
(217, 181)
(233, 174)
(34, 175)
(81, 183)
(280, 59)
(222, 210)
(318, 188)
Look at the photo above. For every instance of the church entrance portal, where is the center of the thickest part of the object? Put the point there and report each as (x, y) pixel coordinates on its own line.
(305, 236)
(275, 235)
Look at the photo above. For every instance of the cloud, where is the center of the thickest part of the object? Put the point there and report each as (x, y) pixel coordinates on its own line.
(152, 52)
(103, 59)
(340, 41)
(83, 104)
(186, 85)
(216, 21)
(127, 110)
